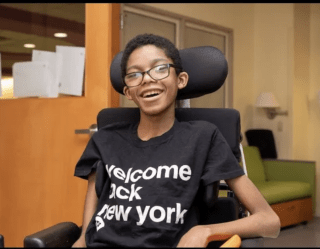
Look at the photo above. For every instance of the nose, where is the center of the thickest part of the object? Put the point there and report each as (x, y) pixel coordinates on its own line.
(146, 78)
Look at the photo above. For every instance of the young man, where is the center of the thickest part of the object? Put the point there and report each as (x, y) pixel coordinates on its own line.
(143, 178)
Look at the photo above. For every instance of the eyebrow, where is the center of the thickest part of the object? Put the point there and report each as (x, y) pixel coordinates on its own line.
(152, 62)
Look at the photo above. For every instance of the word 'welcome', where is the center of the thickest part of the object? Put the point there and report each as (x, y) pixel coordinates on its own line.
(184, 173)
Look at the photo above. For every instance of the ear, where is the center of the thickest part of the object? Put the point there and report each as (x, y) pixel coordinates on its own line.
(126, 91)
(183, 80)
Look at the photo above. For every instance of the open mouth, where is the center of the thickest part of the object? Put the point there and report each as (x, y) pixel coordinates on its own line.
(151, 94)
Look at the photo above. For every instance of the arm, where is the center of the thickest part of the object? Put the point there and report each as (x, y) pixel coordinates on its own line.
(263, 221)
(90, 206)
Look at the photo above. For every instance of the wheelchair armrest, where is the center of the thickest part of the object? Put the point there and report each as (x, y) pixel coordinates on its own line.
(63, 234)
(245, 242)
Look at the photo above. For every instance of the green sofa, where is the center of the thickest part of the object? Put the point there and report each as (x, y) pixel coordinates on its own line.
(287, 185)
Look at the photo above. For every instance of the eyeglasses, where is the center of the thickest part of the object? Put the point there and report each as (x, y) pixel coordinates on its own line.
(157, 73)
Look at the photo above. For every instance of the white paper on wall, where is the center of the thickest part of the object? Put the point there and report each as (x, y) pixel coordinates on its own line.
(71, 79)
(31, 79)
(54, 64)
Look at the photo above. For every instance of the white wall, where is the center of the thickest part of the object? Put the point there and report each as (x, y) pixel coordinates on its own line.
(314, 97)
(273, 69)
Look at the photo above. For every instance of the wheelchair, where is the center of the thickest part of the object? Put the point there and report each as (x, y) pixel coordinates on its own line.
(207, 69)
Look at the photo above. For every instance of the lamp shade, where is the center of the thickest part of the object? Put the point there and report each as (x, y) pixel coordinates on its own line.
(267, 99)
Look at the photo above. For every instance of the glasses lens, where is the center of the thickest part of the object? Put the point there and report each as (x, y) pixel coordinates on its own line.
(133, 79)
(159, 72)
(156, 73)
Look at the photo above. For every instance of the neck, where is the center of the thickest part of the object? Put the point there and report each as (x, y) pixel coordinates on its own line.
(154, 126)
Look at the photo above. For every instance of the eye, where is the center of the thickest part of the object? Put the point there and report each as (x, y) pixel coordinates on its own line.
(161, 68)
(133, 76)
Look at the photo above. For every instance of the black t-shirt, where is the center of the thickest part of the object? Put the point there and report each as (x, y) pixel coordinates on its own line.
(147, 189)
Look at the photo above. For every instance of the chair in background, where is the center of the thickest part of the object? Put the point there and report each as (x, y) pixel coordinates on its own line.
(1, 241)
(264, 140)
(207, 69)
(287, 185)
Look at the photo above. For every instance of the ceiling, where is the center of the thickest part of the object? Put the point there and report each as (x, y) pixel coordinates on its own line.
(70, 11)
(36, 23)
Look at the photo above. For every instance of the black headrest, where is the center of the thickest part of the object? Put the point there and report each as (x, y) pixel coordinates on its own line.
(206, 66)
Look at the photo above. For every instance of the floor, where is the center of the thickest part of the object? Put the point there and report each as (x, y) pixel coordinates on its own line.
(297, 236)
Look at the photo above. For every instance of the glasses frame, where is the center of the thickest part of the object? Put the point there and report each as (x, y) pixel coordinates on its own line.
(148, 72)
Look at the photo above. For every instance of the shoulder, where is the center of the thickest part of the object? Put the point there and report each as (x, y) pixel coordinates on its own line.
(116, 126)
(200, 127)
(112, 130)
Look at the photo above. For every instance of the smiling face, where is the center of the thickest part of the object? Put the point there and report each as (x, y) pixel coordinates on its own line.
(153, 97)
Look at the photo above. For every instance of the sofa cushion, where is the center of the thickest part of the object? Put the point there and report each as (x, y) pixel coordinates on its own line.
(254, 164)
(282, 191)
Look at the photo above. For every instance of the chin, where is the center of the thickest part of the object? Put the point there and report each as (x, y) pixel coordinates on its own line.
(155, 110)
(152, 111)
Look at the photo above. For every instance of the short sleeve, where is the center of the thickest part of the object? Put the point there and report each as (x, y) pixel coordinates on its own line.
(221, 164)
(88, 161)
(102, 179)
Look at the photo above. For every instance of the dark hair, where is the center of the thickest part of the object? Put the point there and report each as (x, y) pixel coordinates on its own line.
(149, 39)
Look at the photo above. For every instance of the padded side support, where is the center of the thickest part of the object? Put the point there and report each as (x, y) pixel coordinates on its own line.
(225, 209)
(211, 193)
(64, 234)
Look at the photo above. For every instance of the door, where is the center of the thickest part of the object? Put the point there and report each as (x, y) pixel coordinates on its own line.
(38, 144)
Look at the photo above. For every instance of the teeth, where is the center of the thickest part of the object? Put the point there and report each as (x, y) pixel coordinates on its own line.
(153, 92)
